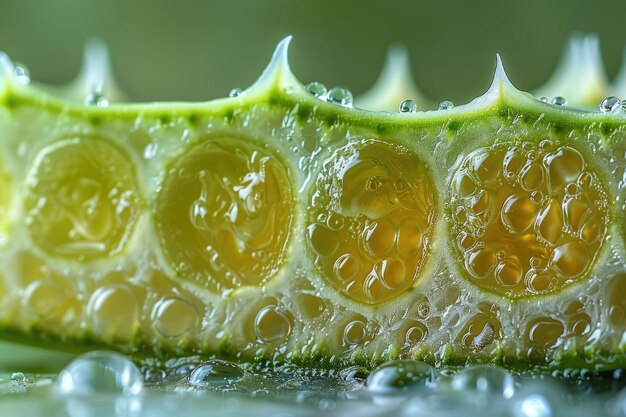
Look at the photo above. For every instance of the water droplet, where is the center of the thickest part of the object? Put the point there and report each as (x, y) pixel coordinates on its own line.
(538, 399)
(544, 99)
(97, 99)
(559, 101)
(408, 106)
(485, 380)
(611, 104)
(341, 96)
(22, 74)
(100, 371)
(318, 89)
(271, 324)
(153, 375)
(235, 92)
(18, 377)
(401, 375)
(215, 372)
(446, 105)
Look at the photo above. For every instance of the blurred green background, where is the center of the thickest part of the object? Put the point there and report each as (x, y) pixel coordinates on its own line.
(198, 50)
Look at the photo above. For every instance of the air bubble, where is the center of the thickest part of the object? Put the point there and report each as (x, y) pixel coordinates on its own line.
(400, 376)
(544, 332)
(484, 380)
(235, 92)
(346, 267)
(43, 297)
(570, 259)
(616, 301)
(22, 74)
(215, 372)
(271, 324)
(379, 238)
(341, 96)
(174, 316)
(96, 99)
(114, 311)
(100, 372)
(392, 273)
(354, 333)
(323, 240)
(335, 221)
(445, 105)
(408, 106)
(318, 89)
(509, 272)
(611, 104)
(559, 101)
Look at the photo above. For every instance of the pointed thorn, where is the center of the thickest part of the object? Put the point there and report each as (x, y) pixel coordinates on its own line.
(501, 83)
(277, 71)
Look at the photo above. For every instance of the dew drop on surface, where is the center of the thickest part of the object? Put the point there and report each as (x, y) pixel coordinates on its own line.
(408, 106)
(235, 92)
(18, 377)
(100, 372)
(22, 74)
(484, 380)
(153, 375)
(400, 376)
(543, 99)
(559, 101)
(445, 105)
(215, 372)
(271, 324)
(174, 316)
(340, 95)
(611, 104)
(318, 89)
(538, 398)
(96, 99)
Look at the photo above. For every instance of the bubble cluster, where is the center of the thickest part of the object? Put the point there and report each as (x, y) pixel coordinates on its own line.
(224, 214)
(81, 198)
(527, 219)
(371, 222)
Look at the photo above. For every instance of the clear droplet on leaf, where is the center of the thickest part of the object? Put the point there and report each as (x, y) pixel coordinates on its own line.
(408, 106)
